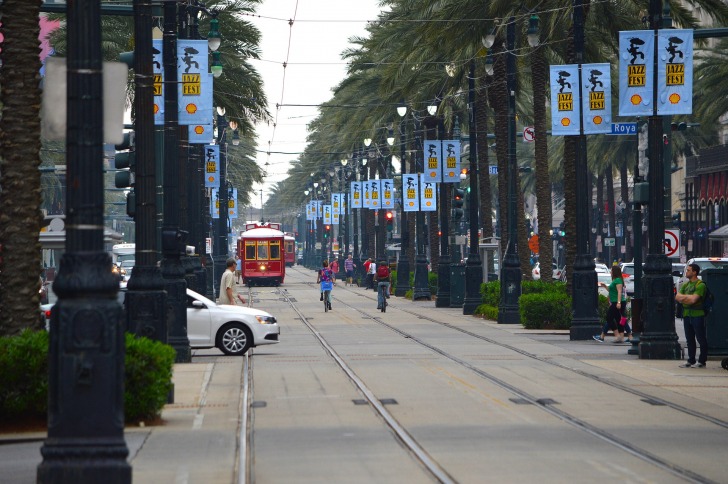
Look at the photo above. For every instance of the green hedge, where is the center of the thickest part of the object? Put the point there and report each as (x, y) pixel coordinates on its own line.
(545, 310)
(24, 376)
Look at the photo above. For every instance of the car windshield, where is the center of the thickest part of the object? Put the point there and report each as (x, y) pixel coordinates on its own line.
(712, 264)
(628, 270)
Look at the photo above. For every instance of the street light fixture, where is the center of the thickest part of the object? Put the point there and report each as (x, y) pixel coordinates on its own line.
(213, 36)
(216, 67)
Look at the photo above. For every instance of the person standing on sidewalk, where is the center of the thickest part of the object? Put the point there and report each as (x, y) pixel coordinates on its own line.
(371, 270)
(227, 285)
(691, 296)
(349, 268)
(238, 268)
(617, 307)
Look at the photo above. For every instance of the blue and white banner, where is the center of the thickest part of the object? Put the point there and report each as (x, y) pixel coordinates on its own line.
(309, 211)
(215, 203)
(211, 161)
(636, 58)
(432, 153)
(564, 82)
(200, 134)
(158, 73)
(674, 72)
(451, 153)
(596, 98)
(233, 203)
(411, 192)
(194, 86)
(356, 194)
(367, 199)
(319, 208)
(327, 214)
(336, 203)
(387, 193)
(375, 192)
(428, 194)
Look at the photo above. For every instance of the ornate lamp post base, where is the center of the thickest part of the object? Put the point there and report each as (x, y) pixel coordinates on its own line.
(510, 290)
(146, 304)
(473, 280)
(422, 287)
(443, 282)
(176, 287)
(658, 340)
(403, 271)
(585, 322)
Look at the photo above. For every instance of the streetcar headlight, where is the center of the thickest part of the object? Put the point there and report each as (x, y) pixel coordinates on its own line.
(265, 319)
(262, 267)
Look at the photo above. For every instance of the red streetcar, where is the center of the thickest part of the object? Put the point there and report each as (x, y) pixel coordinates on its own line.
(289, 242)
(261, 250)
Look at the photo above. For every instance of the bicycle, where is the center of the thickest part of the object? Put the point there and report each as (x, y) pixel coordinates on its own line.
(326, 287)
(382, 296)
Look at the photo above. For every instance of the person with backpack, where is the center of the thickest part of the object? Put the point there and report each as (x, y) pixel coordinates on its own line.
(383, 278)
(325, 275)
(692, 294)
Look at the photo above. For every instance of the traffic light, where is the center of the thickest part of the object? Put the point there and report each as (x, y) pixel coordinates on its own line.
(676, 220)
(390, 221)
(457, 204)
(125, 162)
(327, 231)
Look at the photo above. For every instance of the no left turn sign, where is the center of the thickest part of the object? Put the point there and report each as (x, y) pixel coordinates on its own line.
(529, 134)
(672, 243)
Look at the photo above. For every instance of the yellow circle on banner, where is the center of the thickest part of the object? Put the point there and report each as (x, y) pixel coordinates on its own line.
(674, 98)
(191, 108)
(565, 121)
(597, 120)
(635, 99)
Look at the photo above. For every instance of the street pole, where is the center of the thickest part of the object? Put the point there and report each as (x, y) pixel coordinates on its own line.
(474, 266)
(443, 267)
(422, 287)
(585, 321)
(146, 299)
(220, 244)
(637, 301)
(403, 266)
(511, 272)
(173, 239)
(85, 441)
(658, 340)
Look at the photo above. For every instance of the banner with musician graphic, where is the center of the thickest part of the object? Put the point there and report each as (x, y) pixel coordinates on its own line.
(636, 61)
(375, 194)
(356, 194)
(211, 163)
(411, 192)
(387, 193)
(564, 80)
(451, 154)
(674, 72)
(432, 153)
(428, 194)
(596, 98)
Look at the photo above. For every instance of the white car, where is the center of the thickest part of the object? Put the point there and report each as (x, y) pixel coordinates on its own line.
(232, 329)
(628, 277)
(606, 278)
(601, 268)
(704, 263)
(556, 275)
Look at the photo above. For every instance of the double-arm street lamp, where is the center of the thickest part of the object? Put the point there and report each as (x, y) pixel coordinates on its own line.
(403, 265)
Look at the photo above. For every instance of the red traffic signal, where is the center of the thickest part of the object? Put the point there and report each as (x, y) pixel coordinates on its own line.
(389, 215)
(328, 227)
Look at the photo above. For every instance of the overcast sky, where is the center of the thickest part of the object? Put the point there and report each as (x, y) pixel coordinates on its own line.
(319, 35)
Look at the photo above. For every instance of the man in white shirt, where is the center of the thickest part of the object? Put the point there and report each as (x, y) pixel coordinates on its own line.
(370, 275)
(227, 283)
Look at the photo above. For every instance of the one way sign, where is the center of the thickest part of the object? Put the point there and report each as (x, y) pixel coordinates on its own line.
(672, 243)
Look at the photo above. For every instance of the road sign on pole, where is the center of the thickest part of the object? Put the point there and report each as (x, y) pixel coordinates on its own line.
(529, 134)
(672, 243)
(624, 128)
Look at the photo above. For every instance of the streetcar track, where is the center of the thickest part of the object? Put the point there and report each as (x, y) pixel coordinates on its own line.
(566, 417)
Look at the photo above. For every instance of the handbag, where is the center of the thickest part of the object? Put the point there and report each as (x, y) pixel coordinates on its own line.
(623, 321)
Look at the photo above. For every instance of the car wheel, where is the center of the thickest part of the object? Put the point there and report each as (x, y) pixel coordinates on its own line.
(234, 339)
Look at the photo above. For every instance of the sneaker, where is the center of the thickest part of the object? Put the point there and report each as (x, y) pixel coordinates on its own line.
(322, 297)
(700, 365)
(689, 365)
(598, 338)
(329, 306)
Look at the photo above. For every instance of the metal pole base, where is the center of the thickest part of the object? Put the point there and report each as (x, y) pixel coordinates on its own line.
(510, 289)
(209, 278)
(84, 462)
(176, 287)
(473, 281)
(585, 322)
(146, 304)
(403, 271)
(658, 340)
(443, 282)
(422, 287)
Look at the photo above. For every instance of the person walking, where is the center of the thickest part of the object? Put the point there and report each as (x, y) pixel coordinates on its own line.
(349, 268)
(370, 274)
(325, 274)
(334, 266)
(238, 268)
(617, 308)
(691, 295)
(227, 284)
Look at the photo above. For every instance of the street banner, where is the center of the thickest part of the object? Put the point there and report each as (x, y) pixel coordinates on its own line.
(194, 88)
(596, 98)
(428, 194)
(674, 72)
(451, 153)
(319, 208)
(411, 192)
(200, 134)
(215, 204)
(387, 193)
(233, 203)
(336, 203)
(375, 193)
(356, 198)
(309, 211)
(565, 100)
(367, 198)
(158, 74)
(327, 214)
(636, 61)
(211, 160)
(432, 152)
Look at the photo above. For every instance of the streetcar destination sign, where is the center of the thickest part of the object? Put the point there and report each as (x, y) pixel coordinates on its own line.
(624, 128)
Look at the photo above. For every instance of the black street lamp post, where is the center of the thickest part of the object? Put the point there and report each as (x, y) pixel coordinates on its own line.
(443, 266)
(474, 266)
(403, 266)
(658, 339)
(585, 321)
(220, 245)
(85, 441)
(511, 271)
(422, 287)
(173, 239)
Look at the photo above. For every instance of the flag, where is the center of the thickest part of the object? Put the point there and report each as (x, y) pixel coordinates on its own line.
(432, 153)
(565, 100)
(596, 98)
(356, 194)
(636, 59)
(387, 193)
(411, 193)
(451, 154)
(428, 194)
(211, 161)
(674, 72)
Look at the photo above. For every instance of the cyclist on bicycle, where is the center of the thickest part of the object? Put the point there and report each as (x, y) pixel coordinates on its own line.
(325, 275)
(383, 278)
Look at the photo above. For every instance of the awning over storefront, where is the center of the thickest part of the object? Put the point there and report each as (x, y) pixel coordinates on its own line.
(719, 234)
(713, 187)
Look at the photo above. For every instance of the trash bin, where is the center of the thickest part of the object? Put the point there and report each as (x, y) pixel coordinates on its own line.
(457, 285)
(717, 321)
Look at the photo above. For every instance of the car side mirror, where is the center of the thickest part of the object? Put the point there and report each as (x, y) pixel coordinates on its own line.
(198, 304)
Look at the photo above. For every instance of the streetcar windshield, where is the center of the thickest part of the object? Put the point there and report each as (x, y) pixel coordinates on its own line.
(250, 251)
(275, 250)
(263, 250)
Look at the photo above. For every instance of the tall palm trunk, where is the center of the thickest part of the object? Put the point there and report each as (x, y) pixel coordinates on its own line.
(20, 199)
(543, 180)
(498, 97)
(570, 207)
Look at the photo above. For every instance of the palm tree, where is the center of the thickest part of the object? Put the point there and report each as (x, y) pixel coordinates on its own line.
(20, 222)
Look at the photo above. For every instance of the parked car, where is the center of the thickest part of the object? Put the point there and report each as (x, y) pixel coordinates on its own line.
(125, 268)
(606, 278)
(703, 263)
(677, 271)
(232, 329)
(601, 268)
(628, 277)
(557, 273)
